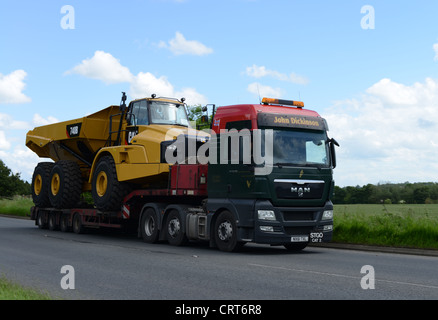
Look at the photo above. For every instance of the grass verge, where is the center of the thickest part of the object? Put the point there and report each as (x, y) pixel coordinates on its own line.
(18, 206)
(13, 291)
(414, 226)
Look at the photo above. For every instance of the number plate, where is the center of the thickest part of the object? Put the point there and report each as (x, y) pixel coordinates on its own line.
(299, 239)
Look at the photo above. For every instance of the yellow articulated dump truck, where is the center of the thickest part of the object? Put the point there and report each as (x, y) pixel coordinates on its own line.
(110, 153)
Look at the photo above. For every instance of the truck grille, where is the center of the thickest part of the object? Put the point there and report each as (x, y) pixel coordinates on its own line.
(298, 189)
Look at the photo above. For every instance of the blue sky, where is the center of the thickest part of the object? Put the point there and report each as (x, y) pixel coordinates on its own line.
(378, 88)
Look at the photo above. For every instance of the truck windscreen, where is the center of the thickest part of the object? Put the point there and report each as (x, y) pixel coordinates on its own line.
(168, 113)
(300, 148)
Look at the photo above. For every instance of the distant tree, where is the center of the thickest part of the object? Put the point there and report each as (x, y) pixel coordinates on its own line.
(195, 113)
(11, 184)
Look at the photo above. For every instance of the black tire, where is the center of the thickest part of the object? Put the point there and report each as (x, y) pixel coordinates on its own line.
(63, 223)
(175, 233)
(107, 191)
(65, 184)
(149, 226)
(52, 222)
(42, 224)
(77, 225)
(40, 184)
(225, 232)
(295, 247)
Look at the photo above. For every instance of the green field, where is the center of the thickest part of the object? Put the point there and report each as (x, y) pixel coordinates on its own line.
(398, 225)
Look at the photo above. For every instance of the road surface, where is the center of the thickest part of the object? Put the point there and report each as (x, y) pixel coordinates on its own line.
(116, 266)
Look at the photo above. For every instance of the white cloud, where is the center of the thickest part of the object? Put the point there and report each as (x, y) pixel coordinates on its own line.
(102, 66)
(146, 83)
(180, 45)
(21, 160)
(6, 122)
(11, 87)
(390, 133)
(142, 85)
(435, 49)
(40, 121)
(264, 91)
(4, 143)
(261, 71)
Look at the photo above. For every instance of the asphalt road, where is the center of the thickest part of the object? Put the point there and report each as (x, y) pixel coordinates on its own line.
(116, 266)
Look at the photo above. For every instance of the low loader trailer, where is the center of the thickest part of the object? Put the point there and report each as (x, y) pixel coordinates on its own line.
(262, 174)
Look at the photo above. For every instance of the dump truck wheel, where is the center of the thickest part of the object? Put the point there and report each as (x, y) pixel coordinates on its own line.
(107, 191)
(40, 184)
(65, 184)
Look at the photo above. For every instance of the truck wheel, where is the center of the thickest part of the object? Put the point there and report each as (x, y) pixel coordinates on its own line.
(77, 224)
(41, 221)
(63, 223)
(225, 232)
(40, 184)
(149, 226)
(52, 222)
(65, 184)
(174, 229)
(107, 191)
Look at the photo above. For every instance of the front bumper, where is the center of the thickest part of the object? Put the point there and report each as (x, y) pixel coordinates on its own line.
(293, 224)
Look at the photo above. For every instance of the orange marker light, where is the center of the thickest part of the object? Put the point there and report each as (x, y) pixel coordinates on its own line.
(298, 104)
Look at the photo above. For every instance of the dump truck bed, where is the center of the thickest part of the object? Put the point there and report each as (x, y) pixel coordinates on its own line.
(83, 136)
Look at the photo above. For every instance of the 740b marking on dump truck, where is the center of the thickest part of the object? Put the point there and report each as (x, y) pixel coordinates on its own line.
(266, 175)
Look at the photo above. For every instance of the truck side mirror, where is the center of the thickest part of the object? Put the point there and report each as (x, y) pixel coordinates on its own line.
(333, 143)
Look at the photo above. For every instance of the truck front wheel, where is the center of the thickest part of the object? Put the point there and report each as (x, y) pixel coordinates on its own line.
(225, 232)
(107, 191)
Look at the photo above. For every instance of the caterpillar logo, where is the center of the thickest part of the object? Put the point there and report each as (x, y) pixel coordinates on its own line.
(300, 191)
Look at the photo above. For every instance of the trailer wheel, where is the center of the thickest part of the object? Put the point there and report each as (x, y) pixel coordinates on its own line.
(225, 232)
(40, 184)
(149, 226)
(65, 184)
(52, 222)
(107, 191)
(174, 229)
(77, 224)
(63, 223)
(41, 221)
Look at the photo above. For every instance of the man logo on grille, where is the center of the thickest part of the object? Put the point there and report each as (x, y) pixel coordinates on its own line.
(300, 191)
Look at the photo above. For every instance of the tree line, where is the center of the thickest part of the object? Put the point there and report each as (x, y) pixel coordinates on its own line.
(11, 184)
(412, 193)
(388, 193)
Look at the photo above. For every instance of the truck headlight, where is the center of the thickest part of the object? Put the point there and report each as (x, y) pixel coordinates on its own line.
(327, 215)
(266, 215)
